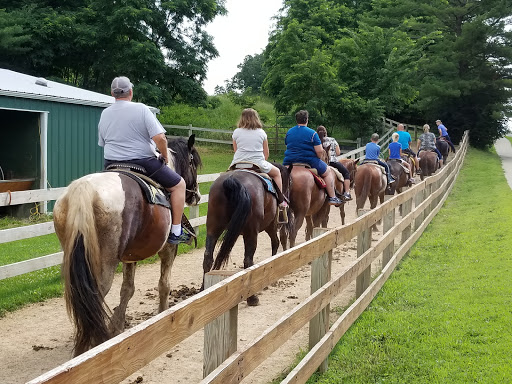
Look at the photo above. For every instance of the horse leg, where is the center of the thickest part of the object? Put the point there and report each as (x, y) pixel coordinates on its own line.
(283, 237)
(299, 219)
(211, 241)
(342, 214)
(250, 244)
(309, 227)
(127, 291)
(167, 256)
(274, 239)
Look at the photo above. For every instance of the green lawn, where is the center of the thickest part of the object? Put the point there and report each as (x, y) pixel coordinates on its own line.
(37, 286)
(444, 315)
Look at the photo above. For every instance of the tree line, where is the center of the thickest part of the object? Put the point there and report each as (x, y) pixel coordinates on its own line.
(348, 62)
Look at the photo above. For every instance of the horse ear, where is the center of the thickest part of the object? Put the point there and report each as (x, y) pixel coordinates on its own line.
(356, 161)
(191, 141)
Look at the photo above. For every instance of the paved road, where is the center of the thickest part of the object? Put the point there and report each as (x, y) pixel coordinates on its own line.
(504, 149)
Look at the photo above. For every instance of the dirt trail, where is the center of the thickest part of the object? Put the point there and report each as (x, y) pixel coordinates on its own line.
(39, 337)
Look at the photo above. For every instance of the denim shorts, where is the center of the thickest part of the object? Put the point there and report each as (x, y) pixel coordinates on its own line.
(155, 169)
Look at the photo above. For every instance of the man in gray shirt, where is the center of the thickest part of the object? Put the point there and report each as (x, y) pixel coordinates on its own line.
(129, 132)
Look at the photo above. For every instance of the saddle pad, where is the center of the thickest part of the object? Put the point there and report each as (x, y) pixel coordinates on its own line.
(150, 191)
(314, 171)
(338, 174)
(318, 180)
(267, 181)
(401, 162)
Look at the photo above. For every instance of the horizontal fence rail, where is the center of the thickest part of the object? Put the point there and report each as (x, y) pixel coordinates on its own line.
(116, 359)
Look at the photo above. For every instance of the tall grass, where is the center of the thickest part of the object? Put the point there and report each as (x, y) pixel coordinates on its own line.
(444, 315)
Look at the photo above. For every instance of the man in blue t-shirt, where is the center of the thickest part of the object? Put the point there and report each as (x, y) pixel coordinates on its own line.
(373, 153)
(443, 132)
(405, 139)
(304, 146)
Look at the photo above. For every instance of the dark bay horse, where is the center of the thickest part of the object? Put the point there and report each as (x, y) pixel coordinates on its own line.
(399, 174)
(429, 163)
(443, 147)
(370, 183)
(103, 219)
(239, 204)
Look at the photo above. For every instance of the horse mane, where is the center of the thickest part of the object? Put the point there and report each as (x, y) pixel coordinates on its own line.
(181, 153)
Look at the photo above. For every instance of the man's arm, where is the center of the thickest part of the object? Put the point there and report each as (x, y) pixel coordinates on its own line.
(319, 149)
(161, 143)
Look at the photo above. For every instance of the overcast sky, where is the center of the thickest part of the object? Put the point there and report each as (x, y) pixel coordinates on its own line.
(244, 31)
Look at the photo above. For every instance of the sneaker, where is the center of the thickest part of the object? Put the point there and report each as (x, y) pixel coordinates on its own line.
(347, 196)
(391, 181)
(335, 201)
(412, 181)
(283, 204)
(182, 238)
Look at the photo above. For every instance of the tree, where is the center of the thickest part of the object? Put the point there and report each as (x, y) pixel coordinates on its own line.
(161, 46)
(251, 74)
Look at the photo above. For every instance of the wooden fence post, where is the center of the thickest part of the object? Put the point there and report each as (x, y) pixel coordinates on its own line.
(320, 275)
(418, 199)
(388, 223)
(364, 240)
(220, 335)
(193, 213)
(406, 209)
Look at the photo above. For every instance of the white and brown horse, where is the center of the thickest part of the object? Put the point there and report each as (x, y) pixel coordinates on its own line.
(103, 219)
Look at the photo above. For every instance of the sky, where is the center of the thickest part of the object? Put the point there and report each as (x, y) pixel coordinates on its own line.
(243, 31)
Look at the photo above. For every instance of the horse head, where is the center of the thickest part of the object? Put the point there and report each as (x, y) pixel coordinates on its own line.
(186, 161)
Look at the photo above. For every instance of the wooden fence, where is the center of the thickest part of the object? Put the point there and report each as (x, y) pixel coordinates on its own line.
(123, 355)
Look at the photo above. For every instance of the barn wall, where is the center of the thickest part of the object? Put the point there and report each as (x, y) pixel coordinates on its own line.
(73, 149)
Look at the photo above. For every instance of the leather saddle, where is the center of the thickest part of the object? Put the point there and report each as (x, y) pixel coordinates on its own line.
(152, 191)
(318, 180)
(253, 168)
(376, 164)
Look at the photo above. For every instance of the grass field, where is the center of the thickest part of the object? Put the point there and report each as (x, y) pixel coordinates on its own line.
(40, 285)
(444, 315)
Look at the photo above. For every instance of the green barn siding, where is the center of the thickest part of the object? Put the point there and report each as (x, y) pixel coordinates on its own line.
(73, 149)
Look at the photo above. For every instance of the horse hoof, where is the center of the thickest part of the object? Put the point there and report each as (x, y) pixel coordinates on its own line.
(253, 301)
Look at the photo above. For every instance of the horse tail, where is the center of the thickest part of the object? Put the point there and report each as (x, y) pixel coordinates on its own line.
(365, 190)
(238, 195)
(81, 268)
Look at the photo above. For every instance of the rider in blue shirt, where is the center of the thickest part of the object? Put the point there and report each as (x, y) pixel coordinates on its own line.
(443, 132)
(304, 146)
(373, 153)
(405, 139)
(396, 153)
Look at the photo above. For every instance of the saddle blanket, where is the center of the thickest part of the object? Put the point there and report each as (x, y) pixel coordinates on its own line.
(318, 180)
(152, 191)
(266, 180)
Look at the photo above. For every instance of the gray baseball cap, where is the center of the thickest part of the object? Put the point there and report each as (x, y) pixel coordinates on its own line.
(121, 85)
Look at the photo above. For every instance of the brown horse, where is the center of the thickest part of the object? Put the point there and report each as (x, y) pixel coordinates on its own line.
(399, 174)
(443, 147)
(351, 166)
(240, 204)
(103, 219)
(307, 201)
(429, 163)
(370, 183)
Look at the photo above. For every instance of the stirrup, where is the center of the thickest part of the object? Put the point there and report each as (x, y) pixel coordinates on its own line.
(282, 215)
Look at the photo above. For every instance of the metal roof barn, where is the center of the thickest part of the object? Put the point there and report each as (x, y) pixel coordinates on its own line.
(48, 130)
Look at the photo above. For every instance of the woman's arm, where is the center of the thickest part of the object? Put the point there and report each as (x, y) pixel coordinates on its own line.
(265, 149)
(338, 152)
(234, 145)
